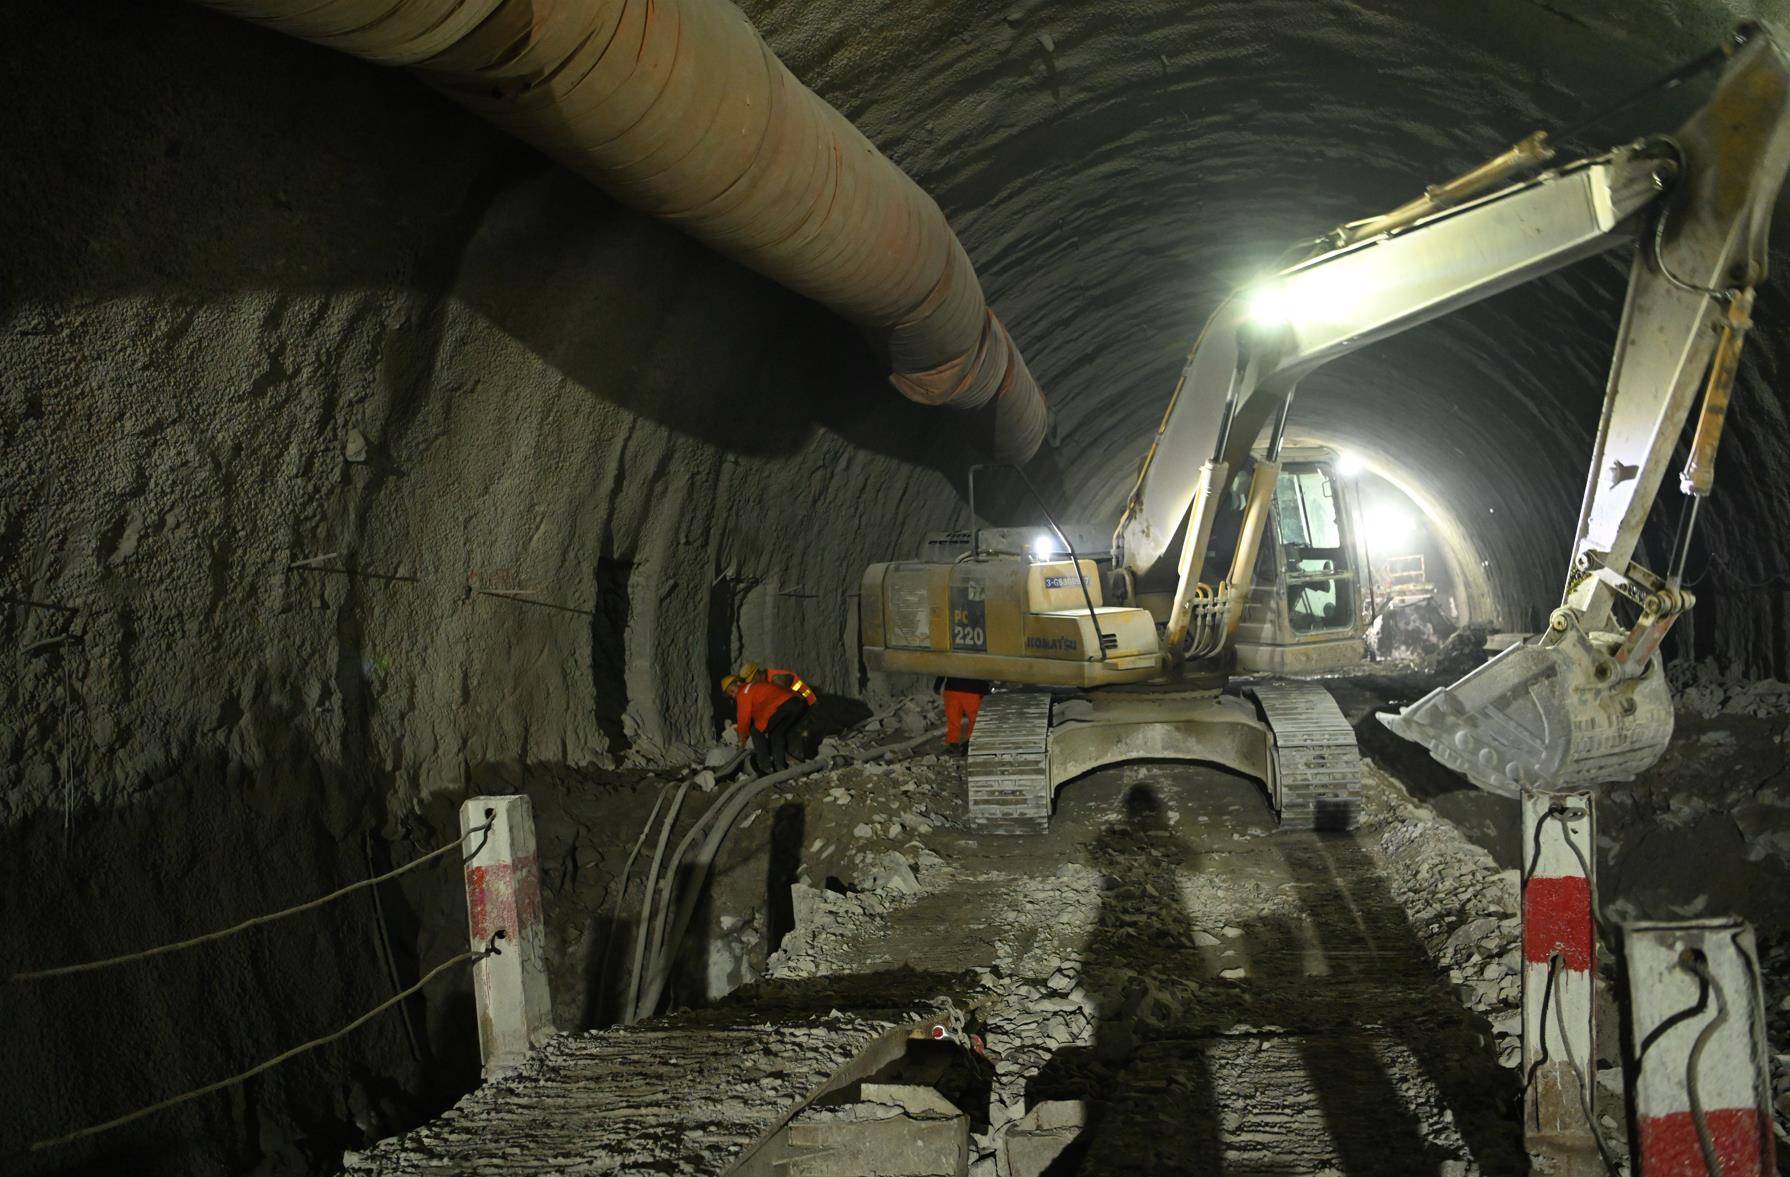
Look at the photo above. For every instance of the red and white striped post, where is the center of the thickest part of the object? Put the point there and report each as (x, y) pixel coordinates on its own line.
(1699, 1091)
(1559, 978)
(503, 895)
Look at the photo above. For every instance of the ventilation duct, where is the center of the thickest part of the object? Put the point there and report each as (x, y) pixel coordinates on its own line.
(678, 108)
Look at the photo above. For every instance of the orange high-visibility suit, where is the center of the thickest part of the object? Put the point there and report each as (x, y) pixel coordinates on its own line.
(793, 681)
(963, 699)
(767, 712)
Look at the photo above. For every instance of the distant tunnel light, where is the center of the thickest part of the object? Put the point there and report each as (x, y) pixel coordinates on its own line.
(1347, 464)
(1389, 528)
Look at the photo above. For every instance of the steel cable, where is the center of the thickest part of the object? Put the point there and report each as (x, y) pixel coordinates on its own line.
(468, 956)
(270, 917)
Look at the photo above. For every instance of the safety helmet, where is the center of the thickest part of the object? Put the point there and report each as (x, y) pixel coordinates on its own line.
(749, 671)
(728, 682)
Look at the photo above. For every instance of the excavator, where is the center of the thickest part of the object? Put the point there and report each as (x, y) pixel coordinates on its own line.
(1127, 653)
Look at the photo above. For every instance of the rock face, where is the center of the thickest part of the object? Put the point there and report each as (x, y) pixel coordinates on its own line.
(352, 458)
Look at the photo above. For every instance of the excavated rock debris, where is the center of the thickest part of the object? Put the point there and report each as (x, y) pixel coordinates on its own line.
(1463, 908)
(1200, 983)
(1463, 652)
(1409, 631)
(688, 1094)
(1703, 689)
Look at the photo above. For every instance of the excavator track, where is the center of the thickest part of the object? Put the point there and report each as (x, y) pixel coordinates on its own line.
(1009, 764)
(1317, 766)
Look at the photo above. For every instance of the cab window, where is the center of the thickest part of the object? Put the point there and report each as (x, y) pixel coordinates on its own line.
(1313, 557)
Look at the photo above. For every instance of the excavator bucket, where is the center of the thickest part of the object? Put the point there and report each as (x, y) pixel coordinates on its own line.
(1552, 716)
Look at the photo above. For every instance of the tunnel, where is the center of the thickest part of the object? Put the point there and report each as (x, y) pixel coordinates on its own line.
(362, 457)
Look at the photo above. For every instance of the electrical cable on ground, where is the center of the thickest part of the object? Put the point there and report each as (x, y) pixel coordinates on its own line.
(646, 902)
(656, 942)
(469, 956)
(728, 809)
(728, 806)
(621, 889)
(1693, 1061)
(270, 917)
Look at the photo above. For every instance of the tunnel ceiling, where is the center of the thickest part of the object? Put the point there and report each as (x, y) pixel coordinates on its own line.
(1116, 169)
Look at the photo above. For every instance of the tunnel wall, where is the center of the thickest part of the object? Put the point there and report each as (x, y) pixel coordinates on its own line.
(265, 307)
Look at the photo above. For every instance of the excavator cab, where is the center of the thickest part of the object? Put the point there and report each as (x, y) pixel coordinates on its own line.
(1306, 611)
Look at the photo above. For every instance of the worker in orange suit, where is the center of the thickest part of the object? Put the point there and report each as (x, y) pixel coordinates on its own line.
(767, 713)
(788, 679)
(963, 699)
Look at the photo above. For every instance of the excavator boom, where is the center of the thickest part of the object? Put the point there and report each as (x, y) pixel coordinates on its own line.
(1585, 701)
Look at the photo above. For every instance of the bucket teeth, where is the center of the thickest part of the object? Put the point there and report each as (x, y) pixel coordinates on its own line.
(1548, 716)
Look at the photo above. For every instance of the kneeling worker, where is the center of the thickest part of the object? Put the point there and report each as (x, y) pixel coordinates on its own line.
(788, 679)
(767, 712)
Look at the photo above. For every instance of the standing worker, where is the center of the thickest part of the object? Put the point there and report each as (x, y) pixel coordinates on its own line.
(963, 699)
(766, 712)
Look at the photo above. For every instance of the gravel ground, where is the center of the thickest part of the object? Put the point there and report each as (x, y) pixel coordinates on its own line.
(1230, 997)
(1221, 994)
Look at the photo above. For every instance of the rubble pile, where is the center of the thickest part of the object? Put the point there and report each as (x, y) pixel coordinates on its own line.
(1463, 908)
(1035, 995)
(1462, 653)
(1408, 631)
(873, 866)
(1774, 962)
(1705, 690)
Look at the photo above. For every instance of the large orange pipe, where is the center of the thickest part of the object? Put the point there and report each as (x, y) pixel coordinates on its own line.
(679, 108)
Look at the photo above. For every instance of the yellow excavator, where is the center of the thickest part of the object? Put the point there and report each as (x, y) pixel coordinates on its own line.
(1124, 650)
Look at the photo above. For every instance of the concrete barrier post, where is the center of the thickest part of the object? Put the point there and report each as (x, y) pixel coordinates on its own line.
(503, 894)
(1559, 975)
(1699, 1090)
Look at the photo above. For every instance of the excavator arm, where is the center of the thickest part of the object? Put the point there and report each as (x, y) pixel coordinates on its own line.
(1585, 701)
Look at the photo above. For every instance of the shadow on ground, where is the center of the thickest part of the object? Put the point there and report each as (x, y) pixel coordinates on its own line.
(1339, 1021)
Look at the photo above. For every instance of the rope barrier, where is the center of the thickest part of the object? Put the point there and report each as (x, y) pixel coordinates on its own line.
(163, 949)
(466, 957)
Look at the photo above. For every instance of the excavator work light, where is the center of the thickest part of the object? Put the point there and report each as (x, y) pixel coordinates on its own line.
(1267, 305)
